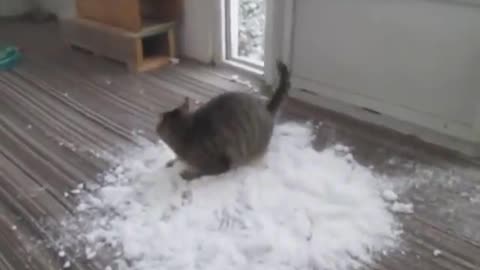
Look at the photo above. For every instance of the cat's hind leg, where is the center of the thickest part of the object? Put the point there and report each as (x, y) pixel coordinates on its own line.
(171, 162)
(190, 174)
(217, 167)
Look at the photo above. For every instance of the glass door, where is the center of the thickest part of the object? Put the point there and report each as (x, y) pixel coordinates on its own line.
(245, 32)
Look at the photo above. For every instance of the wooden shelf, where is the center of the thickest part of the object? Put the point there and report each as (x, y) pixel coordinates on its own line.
(132, 15)
(139, 33)
(153, 63)
(153, 27)
(149, 48)
(150, 28)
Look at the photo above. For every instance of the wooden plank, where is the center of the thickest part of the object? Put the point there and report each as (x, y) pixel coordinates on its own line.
(131, 15)
(124, 14)
(153, 63)
(118, 44)
(100, 40)
(172, 43)
(163, 10)
(151, 28)
(102, 43)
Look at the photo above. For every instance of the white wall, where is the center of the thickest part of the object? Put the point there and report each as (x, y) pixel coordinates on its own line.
(14, 7)
(62, 8)
(476, 124)
(275, 39)
(415, 60)
(197, 29)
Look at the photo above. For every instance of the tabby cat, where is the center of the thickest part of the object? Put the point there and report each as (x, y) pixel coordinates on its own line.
(228, 131)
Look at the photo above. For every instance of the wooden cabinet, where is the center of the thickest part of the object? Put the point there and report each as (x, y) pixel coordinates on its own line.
(139, 33)
(129, 14)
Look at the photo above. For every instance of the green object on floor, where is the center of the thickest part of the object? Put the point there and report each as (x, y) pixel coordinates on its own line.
(9, 57)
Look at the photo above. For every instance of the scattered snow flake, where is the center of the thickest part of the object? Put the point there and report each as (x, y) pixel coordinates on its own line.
(389, 195)
(119, 170)
(341, 148)
(82, 207)
(174, 61)
(90, 253)
(403, 208)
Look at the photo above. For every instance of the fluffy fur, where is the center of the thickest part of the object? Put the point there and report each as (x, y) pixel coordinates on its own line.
(230, 130)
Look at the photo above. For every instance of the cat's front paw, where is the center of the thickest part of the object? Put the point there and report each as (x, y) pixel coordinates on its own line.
(170, 163)
(188, 175)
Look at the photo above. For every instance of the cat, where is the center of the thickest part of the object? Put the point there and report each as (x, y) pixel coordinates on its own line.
(228, 131)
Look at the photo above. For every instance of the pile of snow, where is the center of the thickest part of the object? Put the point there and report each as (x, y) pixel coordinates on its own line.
(405, 208)
(397, 207)
(295, 209)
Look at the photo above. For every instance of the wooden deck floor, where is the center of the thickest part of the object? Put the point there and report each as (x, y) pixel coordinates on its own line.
(59, 103)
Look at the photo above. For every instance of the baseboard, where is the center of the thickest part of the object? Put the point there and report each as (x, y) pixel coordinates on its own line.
(428, 135)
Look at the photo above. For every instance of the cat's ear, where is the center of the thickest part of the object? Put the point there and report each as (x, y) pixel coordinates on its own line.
(185, 107)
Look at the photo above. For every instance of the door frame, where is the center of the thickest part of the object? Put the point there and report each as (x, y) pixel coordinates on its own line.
(278, 23)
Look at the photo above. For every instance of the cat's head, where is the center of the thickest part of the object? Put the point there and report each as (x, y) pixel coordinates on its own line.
(170, 122)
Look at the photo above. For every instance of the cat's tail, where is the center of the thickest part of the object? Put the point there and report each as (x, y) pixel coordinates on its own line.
(282, 89)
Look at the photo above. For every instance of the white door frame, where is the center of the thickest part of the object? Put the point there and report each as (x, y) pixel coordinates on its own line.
(279, 22)
(219, 48)
(288, 33)
(219, 41)
(476, 124)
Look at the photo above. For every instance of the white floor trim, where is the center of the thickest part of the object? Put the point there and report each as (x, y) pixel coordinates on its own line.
(468, 148)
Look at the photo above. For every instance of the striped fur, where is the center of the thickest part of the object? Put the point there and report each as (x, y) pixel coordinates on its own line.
(228, 131)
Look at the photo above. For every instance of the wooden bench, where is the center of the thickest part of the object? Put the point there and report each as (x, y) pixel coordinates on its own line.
(139, 33)
(150, 48)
